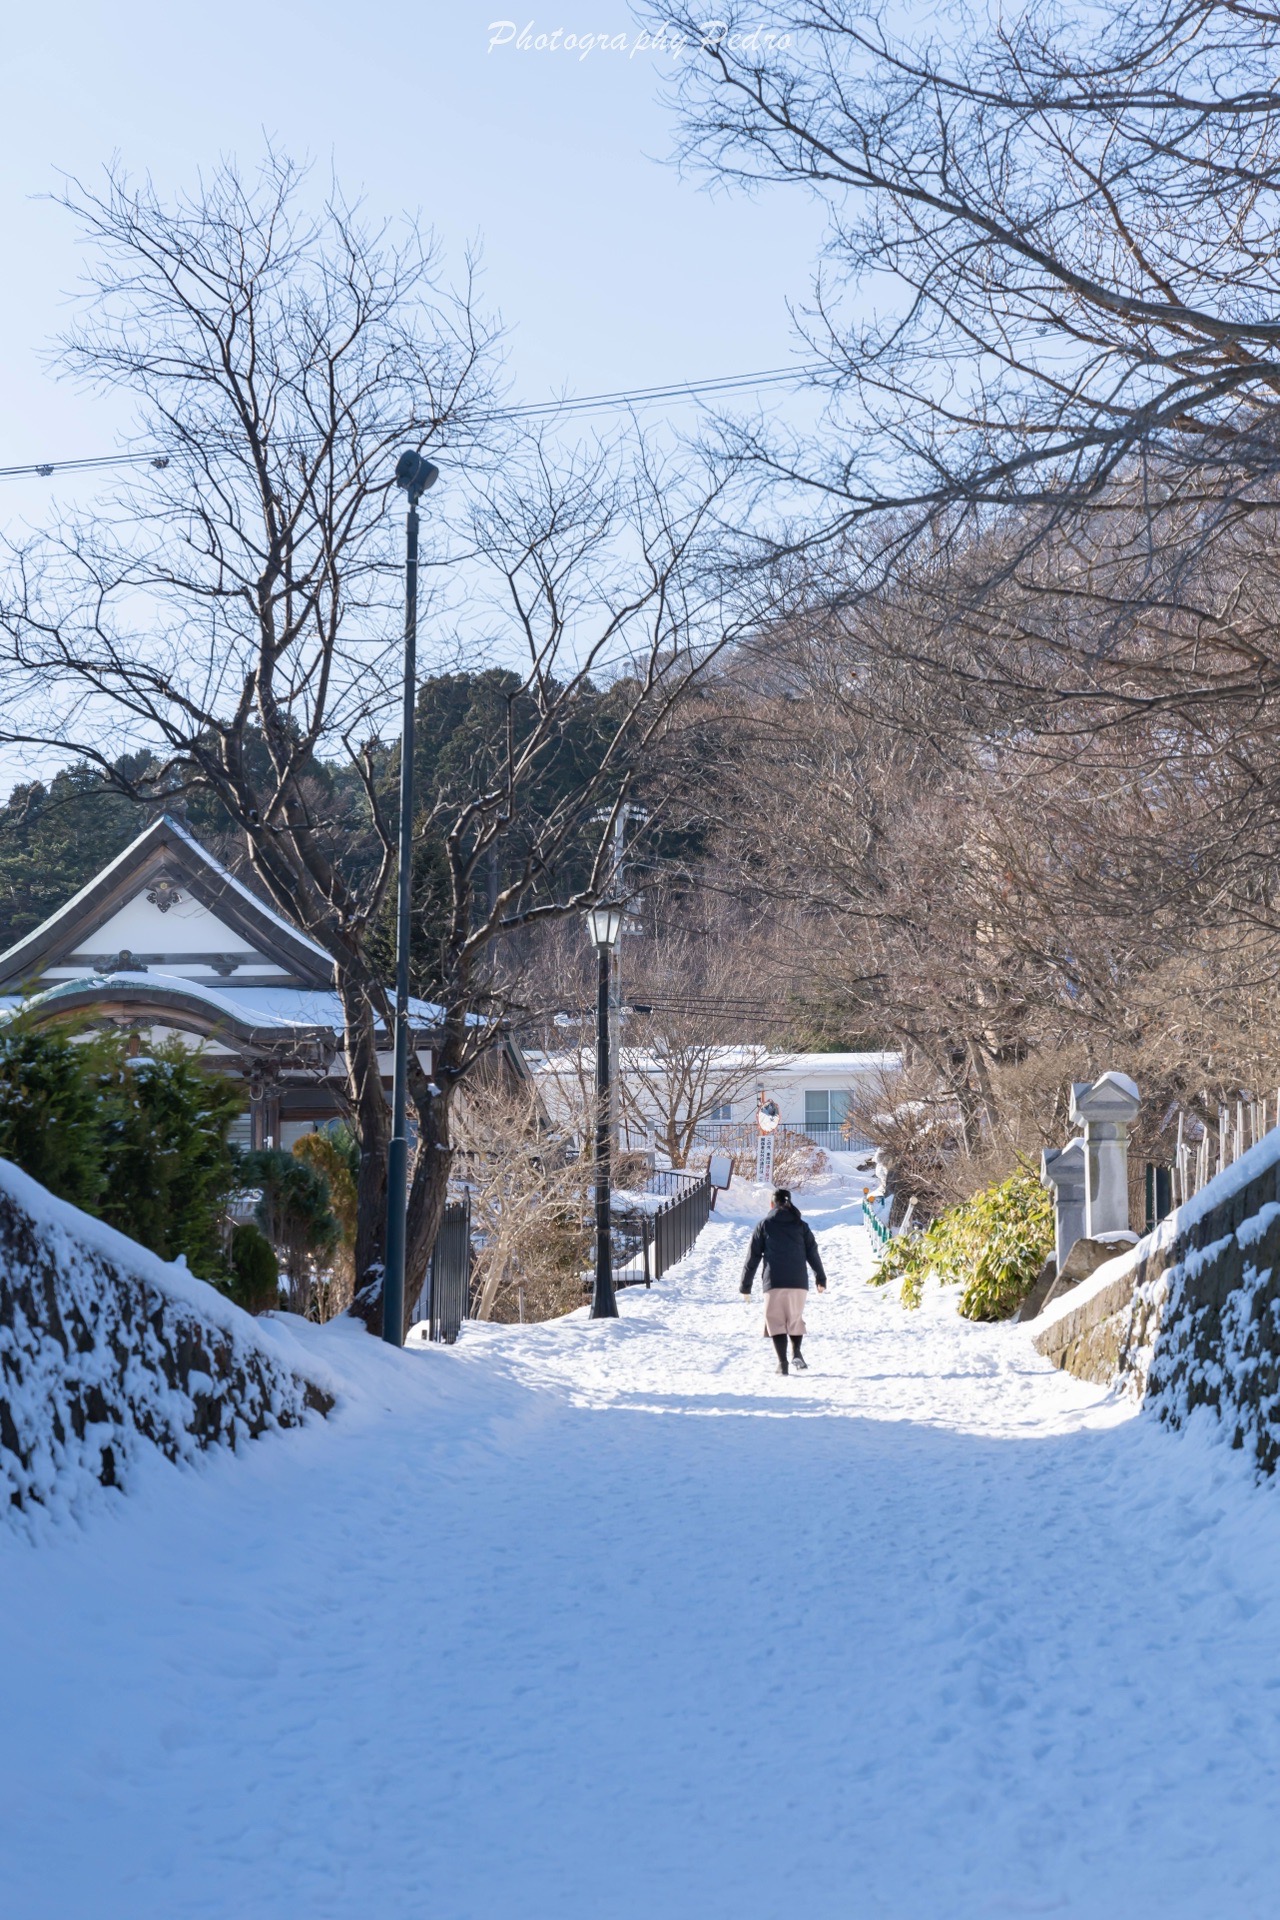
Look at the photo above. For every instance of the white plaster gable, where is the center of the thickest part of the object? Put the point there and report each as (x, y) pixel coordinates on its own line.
(185, 927)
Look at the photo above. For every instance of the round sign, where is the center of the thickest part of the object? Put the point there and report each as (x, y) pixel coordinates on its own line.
(768, 1114)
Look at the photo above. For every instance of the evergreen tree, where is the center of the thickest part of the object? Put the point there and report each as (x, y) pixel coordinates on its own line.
(140, 1141)
(169, 1168)
(50, 1114)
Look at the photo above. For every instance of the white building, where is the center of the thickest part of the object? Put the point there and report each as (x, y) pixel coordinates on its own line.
(817, 1093)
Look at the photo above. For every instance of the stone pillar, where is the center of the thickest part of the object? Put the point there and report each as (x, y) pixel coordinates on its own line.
(1106, 1109)
(1063, 1169)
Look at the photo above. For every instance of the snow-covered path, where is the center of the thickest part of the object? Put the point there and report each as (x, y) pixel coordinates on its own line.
(603, 1622)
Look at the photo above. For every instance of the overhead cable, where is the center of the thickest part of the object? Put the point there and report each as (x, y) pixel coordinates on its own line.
(618, 402)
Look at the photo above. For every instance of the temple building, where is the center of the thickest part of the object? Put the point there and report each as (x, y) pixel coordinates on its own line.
(165, 941)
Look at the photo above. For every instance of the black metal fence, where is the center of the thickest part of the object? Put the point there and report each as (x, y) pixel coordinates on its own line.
(449, 1281)
(645, 1246)
(656, 1241)
(671, 1181)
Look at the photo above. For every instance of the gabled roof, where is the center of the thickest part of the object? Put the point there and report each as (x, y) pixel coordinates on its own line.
(166, 850)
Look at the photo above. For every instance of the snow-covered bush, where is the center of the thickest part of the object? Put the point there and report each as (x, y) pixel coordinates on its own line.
(992, 1245)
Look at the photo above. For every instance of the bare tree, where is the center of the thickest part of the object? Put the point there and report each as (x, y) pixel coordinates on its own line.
(1037, 643)
(232, 611)
(1077, 206)
(530, 1206)
(676, 1070)
(1010, 908)
(237, 610)
(608, 574)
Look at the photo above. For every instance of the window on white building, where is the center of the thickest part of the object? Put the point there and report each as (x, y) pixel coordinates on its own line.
(825, 1108)
(723, 1113)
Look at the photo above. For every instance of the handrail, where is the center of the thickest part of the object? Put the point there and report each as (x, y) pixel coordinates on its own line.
(669, 1233)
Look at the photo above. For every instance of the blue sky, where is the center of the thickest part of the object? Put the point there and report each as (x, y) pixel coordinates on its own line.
(609, 270)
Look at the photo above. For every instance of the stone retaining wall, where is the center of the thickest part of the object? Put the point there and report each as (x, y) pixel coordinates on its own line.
(106, 1350)
(1191, 1317)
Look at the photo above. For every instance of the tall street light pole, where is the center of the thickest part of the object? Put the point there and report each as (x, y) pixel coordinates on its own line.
(415, 474)
(604, 924)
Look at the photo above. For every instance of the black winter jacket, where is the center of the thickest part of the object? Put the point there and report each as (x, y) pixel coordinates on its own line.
(786, 1244)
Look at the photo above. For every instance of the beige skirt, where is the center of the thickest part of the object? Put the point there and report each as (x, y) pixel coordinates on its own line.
(784, 1309)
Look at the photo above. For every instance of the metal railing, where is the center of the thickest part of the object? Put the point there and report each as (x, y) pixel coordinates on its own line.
(665, 1236)
(740, 1136)
(671, 1181)
(449, 1278)
(1158, 1185)
(876, 1214)
(837, 1139)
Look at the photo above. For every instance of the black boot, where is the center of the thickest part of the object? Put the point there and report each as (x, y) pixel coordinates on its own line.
(798, 1360)
(780, 1348)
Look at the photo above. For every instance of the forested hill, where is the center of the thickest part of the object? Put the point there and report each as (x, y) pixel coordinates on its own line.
(55, 836)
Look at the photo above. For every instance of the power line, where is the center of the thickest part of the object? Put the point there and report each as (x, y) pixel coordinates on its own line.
(703, 1006)
(534, 410)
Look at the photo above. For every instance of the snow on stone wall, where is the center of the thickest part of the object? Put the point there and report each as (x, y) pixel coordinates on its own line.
(106, 1350)
(1191, 1316)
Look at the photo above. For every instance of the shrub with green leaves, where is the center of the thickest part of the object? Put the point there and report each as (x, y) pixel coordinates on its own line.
(992, 1245)
(169, 1167)
(294, 1213)
(50, 1123)
(140, 1140)
(255, 1271)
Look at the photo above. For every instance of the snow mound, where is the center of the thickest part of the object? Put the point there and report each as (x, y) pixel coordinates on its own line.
(106, 1350)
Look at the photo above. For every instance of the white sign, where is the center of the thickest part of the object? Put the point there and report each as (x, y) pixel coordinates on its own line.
(720, 1170)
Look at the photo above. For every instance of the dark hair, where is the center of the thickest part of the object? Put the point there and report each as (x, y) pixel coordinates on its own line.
(782, 1196)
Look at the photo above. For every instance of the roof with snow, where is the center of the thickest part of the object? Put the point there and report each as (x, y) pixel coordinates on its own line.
(813, 1066)
(257, 1015)
(166, 935)
(166, 904)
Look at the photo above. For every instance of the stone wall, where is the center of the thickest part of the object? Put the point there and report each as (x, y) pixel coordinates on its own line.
(1191, 1316)
(106, 1351)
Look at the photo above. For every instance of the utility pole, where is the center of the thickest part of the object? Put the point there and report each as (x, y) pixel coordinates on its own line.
(615, 979)
(627, 814)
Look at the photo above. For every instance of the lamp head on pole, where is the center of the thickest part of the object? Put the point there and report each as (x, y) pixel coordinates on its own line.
(604, 924)
(415, 473)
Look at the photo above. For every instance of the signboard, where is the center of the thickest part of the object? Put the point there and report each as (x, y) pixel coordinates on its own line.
(720, 1170)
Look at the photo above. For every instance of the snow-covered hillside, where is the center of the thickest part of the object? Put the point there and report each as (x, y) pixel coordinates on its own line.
(611, 1623)
(107, 1352)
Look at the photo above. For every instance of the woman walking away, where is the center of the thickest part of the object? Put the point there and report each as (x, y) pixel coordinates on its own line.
(788, 1249)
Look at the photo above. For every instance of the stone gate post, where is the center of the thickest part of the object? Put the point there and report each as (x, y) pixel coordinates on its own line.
(1063, 1169)
(1107, 1108)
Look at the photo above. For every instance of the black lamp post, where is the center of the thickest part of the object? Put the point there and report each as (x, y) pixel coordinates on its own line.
(415, 474)
(604, 924)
